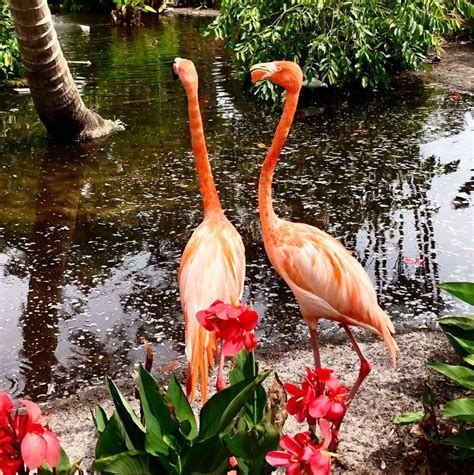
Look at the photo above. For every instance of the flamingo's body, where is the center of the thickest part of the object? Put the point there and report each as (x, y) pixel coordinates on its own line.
(213, 262)
(325, 278)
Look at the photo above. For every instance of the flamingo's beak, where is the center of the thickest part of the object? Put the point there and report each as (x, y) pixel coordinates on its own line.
(261, 71)
(174, 68)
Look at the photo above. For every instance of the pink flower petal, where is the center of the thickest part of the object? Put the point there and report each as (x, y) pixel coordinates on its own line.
(53, 448)
(33, 450)
(335, 412)
(249, 319)
(277, 458)
(320, 464)
(319, 406)
(290, 445)
(230, 329)
(293, 469)
(294, 404)
(293, 389)
(33, 410)
(326, 433)
(250, 341)
(232, 347)
(6, 403)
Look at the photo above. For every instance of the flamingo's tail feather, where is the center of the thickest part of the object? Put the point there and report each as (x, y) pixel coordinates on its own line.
(386, 330)
(201, 347)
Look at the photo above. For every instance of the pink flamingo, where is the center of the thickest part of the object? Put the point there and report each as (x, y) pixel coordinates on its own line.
(213, 262)
(325, 278)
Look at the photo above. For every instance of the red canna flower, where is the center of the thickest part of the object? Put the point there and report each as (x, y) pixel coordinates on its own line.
(234, 325)
(23, 437)
(300, 401)
(301, 456)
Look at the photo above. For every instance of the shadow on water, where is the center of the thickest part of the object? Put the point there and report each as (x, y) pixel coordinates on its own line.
(90, 236)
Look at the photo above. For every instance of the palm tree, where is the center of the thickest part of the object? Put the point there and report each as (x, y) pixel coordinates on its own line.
(54, 93)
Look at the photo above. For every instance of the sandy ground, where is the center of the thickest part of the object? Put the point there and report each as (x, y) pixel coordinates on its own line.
(455, 68)
(370, 443)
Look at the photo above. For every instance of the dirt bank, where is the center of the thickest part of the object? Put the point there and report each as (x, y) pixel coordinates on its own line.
(453, 69)
(370, 443)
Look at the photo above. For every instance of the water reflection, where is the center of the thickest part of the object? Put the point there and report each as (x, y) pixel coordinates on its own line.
(57, 200)
(90, 239)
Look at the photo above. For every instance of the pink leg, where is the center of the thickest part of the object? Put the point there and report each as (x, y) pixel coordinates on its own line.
(365, 366)
(315, 345)
(220, 377)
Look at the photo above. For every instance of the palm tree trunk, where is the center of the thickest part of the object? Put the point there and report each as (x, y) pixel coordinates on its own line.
(54, 93)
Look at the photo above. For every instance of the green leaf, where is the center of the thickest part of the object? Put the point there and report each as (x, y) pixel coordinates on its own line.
(253, 445)
(100, 418)
(219, 411)
(409, 418)
(147, 8)
(461, 290)
(156, 414)
(459, 374)
(460, 409)
(131, 462)
(64, 466)
(465, 439)
(460, 332)
(182, 409)
(210, 456)
(130, 421)
(469, 359)
(112, 439)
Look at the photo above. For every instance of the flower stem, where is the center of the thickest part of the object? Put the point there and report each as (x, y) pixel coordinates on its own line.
(220, 377)
(254, 374)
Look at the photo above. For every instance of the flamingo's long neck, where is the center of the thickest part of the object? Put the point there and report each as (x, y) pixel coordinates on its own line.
(267, 215)
(210, 198)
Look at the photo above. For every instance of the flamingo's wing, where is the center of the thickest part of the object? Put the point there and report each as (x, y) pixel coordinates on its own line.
(212, 268)
(327, 280)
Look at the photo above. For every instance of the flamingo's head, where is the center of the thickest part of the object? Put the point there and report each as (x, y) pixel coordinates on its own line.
(184, 70)
(284, 73)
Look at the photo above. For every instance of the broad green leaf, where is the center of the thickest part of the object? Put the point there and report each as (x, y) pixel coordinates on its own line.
(243, 368)
(130, 421)
(460, 332)
(208, 456)
(147, 8)
(460, 409)
(253, 445)
(156, 414)
(465, 439)
(100, 418)
(469, 359)
(131, 462)
(219, 411)
(409, 418)
(112, 439)
(461, 290)
(459, 374)
(462, 454)
(182, 409)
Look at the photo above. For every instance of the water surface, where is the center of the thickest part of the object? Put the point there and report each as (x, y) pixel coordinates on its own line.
(91, 235)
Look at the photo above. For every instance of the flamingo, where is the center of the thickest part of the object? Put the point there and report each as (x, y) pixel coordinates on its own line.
(325, 278)
(213, 262)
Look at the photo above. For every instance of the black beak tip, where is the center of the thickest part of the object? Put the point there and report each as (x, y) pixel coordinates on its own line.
(175, 76)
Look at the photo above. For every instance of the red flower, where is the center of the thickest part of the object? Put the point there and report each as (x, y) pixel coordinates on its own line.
(234, 325)
(24, 439)
(300, 401)
(321, 395)
(301, 456)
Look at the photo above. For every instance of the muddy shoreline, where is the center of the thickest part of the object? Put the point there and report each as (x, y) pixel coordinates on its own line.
(387, 393)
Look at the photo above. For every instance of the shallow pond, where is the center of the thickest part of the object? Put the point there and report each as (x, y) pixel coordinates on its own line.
(91, 236)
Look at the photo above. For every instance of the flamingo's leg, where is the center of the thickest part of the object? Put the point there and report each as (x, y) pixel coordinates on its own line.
(315, 345)
(365, 366)
(220, 377)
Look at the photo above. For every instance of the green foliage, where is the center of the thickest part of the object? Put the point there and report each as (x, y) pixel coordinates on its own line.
(167, 438)
(460, 333)
(83, 6)
(10, 59)
(358, 42)
(140, 5)
(64, 467)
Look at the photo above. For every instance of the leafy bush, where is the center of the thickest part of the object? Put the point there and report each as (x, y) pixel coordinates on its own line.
(460, 333)
(167, 439)
(358, 42)
(10, 59)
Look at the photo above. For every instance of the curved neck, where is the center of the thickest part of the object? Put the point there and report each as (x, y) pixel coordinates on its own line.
(210, 198)
(266, 176)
